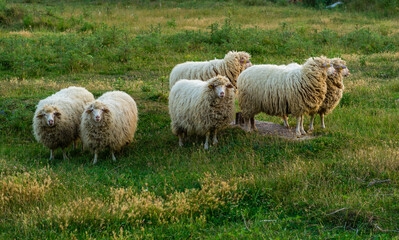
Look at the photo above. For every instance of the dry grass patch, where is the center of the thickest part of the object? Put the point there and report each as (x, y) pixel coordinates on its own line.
(22, 189)
(145, 208)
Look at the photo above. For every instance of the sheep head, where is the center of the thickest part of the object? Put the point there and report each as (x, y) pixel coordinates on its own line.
(97, 111)
(324, 63)
(49, 115)
(242, 58)
(340, 66)
(219, 85)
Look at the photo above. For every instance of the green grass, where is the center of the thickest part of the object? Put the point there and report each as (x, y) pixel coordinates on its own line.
(249, 186)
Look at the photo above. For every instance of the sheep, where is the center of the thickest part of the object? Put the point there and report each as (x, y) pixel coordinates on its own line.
(231, 66)
(57, 118)
(281, 90)
(335, 88)
(199, 108)
(109, 122)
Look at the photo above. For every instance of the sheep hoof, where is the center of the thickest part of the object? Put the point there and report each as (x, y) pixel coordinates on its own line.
(215, 141)
(206, 147)
(303, 132)
(323, 126)
(113, 157)
(298, 134)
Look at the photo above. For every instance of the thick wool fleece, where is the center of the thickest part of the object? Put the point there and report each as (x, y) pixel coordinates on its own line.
(195, 109)
(335, 88)
(70, 102)
(118, 124)
(231, 67)
(282, 90)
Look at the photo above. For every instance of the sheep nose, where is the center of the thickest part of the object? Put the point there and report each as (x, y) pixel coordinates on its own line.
(50, 122)
(97, 118)
(222, 94)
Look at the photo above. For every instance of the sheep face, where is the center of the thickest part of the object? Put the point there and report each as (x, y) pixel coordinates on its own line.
(220, 85)
(97, 111)
(340, 66)
(49, 115)
(244, 59)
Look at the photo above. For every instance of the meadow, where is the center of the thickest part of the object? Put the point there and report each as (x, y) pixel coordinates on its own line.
(341, 185)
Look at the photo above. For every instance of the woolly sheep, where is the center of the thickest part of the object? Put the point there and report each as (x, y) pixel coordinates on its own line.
(335, 88)
(110, 121)
(281, 90)
(231, 66)
(57, 118)
(198, 108)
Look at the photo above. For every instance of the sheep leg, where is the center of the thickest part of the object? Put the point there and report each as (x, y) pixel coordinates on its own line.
(215, 140)
(206, 146)
(322, 120)
(311, 122)
(253, 124)
(285, 119)
(302, 129)
(298, 127)
(95, 157)
(247, 123)
(64, 154)
(181, 140)
(51, 154)
(113, 156)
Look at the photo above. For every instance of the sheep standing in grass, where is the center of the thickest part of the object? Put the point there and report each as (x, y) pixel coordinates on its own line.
(57, 118)
(109, 122)
(335, 89)
(199, 108)
(282, 90)
(231, 66)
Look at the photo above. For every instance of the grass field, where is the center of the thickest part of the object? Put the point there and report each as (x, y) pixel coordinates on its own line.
(341, 185)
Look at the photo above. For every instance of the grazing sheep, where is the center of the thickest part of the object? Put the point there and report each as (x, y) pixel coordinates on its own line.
(281, 90)
(335, 89)
(198, 108)
(57, 118)
(110, 121)
(231, 66)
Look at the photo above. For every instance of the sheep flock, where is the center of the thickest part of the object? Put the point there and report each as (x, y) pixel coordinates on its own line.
(201, 102)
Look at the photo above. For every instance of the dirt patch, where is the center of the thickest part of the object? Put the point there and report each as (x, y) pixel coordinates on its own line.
(274, 129)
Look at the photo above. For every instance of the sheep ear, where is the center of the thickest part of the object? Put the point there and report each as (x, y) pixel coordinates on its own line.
(229, 86)
(40, 115)
(57, 114)
(106, 110)
(90, 110)
(210, 86)
(342, 67)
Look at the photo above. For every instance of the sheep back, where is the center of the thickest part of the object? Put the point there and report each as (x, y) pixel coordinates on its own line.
(231, 66)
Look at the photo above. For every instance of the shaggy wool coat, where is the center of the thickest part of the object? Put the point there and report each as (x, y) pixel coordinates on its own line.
(70, 103)
(282, 90)
(195, 109)
(118, 124)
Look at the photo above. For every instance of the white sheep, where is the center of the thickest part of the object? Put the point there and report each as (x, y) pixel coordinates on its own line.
(282, 90)
(109, 122)
(198, 108)
(231, 66)
(335, 89)
(57, 118)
